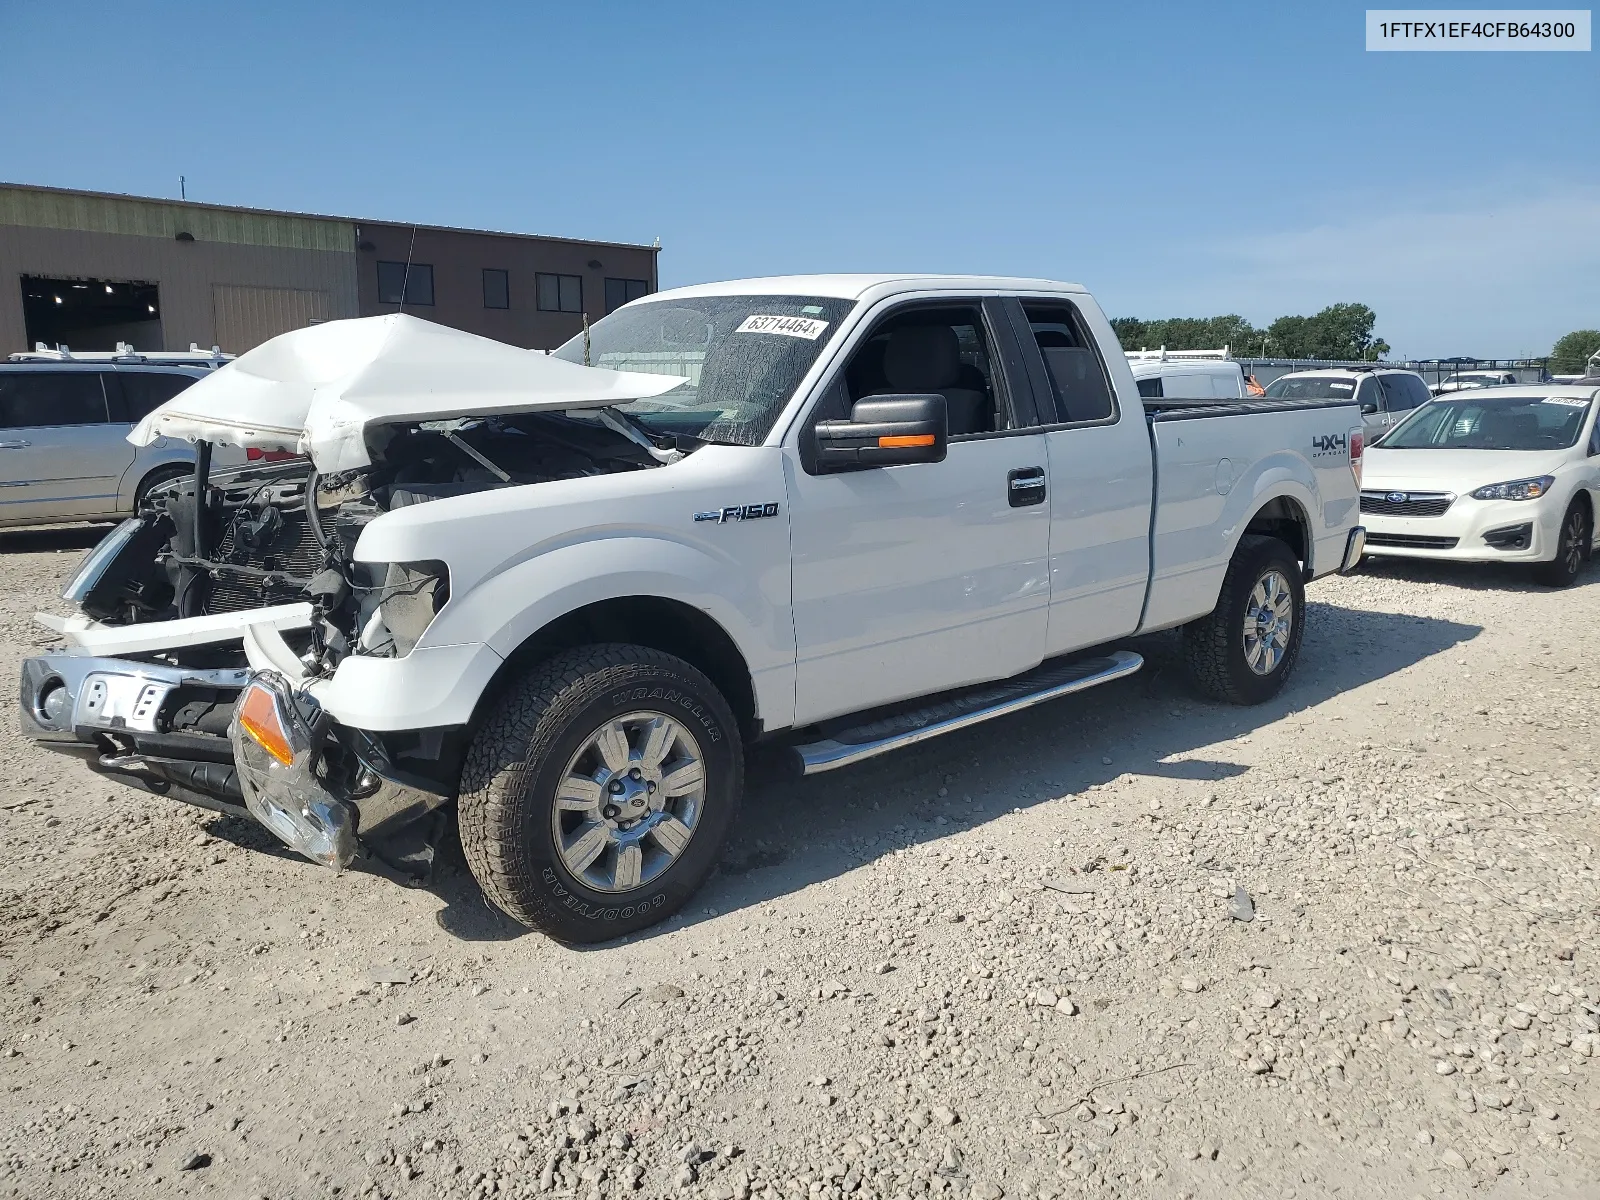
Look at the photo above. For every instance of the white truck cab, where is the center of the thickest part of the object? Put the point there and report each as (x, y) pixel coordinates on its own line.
(843, 513)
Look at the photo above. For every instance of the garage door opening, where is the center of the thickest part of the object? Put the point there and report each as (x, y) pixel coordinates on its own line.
(91, 314)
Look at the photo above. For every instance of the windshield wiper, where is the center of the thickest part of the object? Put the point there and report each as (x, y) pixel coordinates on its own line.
(617, 421)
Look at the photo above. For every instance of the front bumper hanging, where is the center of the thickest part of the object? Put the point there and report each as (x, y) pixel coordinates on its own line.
(115, 715)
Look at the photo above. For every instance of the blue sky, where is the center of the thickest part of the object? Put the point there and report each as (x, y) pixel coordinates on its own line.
(1178, 160)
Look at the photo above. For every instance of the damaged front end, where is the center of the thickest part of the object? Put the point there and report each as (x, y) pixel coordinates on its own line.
(208, 616)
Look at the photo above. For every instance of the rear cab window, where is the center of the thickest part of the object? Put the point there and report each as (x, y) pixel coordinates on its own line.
(1079, 385)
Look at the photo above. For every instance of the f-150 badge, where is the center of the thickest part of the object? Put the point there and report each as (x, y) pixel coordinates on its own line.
(739, 512)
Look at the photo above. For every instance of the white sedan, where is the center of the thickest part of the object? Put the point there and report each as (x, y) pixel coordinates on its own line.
(1506, 474)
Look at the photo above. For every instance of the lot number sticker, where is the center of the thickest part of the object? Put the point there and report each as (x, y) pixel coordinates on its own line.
(800, 327)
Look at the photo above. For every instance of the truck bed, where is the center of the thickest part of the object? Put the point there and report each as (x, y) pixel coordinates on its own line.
(1218, 463)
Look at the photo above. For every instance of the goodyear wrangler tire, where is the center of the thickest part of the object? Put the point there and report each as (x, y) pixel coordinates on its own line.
(596, 798)
(1244, 650)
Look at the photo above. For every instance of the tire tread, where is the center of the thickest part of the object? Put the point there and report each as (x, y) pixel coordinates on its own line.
(1208, 643)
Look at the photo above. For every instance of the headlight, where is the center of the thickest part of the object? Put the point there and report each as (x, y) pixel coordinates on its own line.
(400, 601)
(1517, 489)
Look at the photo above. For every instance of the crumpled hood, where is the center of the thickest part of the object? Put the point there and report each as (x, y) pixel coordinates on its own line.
(316, 391)
(1458, 471)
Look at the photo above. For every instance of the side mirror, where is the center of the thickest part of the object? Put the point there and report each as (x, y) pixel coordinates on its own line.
(1369, 407)
(885, 431)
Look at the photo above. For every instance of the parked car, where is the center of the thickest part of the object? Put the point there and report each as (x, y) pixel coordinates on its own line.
(843, 514)
(1490, 475)
(1462, 380)
(1385, 395)
(1187, 375)
(64, 425)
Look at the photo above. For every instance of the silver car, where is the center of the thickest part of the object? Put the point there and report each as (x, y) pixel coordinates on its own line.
(64, 425)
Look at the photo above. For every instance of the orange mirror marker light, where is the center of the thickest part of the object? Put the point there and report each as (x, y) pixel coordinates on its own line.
(258, 716)
(902, 440)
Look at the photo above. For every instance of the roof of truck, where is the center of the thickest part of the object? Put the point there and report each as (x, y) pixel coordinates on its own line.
(853, 287)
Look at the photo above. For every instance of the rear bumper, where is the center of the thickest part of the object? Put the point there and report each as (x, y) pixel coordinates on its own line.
(1355, 545)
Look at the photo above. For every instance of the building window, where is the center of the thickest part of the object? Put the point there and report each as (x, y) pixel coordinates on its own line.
(496, 288)
(560, 293)
(620, 291)
(403, 283)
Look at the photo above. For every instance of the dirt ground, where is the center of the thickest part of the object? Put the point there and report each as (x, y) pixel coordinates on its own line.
(1007, 963)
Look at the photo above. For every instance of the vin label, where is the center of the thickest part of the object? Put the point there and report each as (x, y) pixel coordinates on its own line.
(1477, 29)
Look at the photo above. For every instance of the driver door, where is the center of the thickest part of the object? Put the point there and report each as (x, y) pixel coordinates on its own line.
(914, 579)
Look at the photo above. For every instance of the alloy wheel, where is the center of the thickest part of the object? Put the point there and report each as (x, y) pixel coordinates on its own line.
(1268, 622)
(629, 802)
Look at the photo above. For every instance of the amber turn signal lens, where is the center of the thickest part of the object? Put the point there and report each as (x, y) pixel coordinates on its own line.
(903, 440)
(258, 716)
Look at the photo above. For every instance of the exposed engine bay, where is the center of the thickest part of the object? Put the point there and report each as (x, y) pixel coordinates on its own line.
(278, 532)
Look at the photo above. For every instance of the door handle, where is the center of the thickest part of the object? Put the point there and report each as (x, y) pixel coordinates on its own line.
(15, 445)
(1025, 487)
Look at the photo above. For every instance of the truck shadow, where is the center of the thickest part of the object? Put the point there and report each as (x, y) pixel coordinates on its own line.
(793, 833)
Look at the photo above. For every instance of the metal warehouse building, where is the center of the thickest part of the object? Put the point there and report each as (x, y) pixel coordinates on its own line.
(89, 269)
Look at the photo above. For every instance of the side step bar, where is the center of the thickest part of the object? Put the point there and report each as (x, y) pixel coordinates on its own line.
(853, 745)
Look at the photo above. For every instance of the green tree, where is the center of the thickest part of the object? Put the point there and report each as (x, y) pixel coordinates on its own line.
(1340, 331)
(1344, 331)
(1571, 353)
(1130, 332)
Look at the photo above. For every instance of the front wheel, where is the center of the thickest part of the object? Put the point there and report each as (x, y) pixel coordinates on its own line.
(596, 798)
(1245, 648)
(1572, 548)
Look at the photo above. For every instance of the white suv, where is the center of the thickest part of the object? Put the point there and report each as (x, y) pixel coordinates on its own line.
(1386, 395)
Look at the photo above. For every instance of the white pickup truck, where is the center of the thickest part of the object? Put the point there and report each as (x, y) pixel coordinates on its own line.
(563, 593)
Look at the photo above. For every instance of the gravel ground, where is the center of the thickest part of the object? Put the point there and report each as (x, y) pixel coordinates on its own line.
(1011, 963)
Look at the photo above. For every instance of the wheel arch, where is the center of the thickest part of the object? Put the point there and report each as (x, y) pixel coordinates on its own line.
(671, 626)
(1283, 517)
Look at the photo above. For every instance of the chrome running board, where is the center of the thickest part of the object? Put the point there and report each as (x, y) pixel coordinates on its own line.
(853, 745)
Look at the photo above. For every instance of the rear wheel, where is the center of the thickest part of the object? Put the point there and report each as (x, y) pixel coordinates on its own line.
(596, 798)
(1245, 648)
(1572, 548)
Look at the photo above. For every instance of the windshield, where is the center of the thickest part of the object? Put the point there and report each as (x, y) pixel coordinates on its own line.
(1311, 387)
(1492, 423)
(741, 358)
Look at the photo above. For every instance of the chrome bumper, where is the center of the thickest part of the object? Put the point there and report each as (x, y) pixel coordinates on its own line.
(296, 800)
(110, 712)
(68, 699)
(1354, 548)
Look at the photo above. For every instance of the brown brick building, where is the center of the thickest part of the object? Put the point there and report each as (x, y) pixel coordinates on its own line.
(91, 269)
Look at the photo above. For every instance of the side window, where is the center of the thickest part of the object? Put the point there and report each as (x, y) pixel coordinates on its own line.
(1077, 376)
(1594, 439)
(1394, 395)
(1419, 391)
(145, 390)
(31, 399)
(1367, 395)
(927, 350)
(1150, 388)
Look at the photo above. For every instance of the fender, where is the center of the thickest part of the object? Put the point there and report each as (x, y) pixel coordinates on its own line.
(751, 606)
